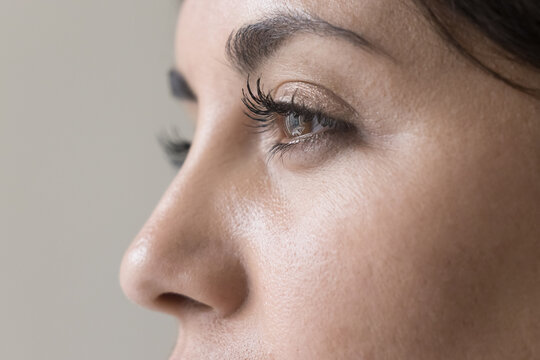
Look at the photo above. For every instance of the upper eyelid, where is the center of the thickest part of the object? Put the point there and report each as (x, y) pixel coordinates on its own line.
(342, 103)
(262, 107)
(179, 86)
(253, 100)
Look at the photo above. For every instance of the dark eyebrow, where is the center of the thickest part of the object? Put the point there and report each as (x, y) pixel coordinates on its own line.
(179, 87)
(250, 45)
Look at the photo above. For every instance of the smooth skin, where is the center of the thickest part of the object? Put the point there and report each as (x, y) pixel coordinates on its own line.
(420, 241)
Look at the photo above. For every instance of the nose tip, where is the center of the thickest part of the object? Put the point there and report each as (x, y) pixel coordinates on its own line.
(161, 274)
(134, 274)
(188, 252)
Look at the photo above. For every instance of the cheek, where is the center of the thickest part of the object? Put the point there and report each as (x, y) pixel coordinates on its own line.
(336, 265)
(411, 259)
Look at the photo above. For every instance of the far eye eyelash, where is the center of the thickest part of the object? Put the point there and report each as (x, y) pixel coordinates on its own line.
(174, 147)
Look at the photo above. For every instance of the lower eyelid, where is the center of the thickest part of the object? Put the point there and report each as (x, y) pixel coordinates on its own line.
(307, 152)
(320, 137)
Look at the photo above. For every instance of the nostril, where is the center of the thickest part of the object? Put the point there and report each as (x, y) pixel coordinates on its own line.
(175, 303)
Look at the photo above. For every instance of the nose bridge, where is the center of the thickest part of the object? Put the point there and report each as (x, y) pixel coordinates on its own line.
(186, 250)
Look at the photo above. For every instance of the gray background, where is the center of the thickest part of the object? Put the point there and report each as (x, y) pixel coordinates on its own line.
(83, 95)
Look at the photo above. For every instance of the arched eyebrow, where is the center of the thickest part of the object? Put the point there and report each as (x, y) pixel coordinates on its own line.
(252, 44)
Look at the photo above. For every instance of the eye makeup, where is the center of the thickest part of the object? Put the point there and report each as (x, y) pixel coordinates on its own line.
(299, 119)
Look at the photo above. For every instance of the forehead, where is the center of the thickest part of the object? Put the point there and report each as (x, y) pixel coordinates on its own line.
(205, 25)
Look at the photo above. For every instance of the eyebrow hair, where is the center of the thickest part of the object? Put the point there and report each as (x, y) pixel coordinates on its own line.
(249, 46)
(179, 87)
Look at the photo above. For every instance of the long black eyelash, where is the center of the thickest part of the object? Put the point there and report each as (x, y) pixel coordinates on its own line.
(261, 106)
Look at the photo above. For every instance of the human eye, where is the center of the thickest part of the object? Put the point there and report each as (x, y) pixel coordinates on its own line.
(299, 119)
(175, 147)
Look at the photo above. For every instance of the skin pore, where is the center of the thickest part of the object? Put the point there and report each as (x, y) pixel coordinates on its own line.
(409, 230)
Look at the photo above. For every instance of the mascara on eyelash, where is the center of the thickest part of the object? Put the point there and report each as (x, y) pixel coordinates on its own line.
(303, 127)
(261, 105)
(262, 108)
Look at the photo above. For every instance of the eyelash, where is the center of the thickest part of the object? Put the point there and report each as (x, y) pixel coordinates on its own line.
(265, 112)
(174, 147)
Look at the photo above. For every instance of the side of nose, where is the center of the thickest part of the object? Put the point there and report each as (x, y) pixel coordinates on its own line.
(184, 259)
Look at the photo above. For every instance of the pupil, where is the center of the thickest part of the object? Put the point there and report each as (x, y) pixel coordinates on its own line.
(295, 120)
(295, 124)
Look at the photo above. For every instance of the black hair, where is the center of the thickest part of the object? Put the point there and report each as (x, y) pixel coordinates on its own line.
(512, 25)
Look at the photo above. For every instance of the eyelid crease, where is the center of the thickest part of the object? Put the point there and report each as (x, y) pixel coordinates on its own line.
(312, 89)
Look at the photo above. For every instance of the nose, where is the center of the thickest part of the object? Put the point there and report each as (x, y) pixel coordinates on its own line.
(185, 258)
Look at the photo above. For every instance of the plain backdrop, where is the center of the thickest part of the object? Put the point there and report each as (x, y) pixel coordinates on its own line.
(83, 94)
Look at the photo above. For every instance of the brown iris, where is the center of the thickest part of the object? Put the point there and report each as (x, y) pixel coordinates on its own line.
(298, 124)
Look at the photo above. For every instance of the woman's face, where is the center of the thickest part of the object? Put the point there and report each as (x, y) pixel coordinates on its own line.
(383, 205)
